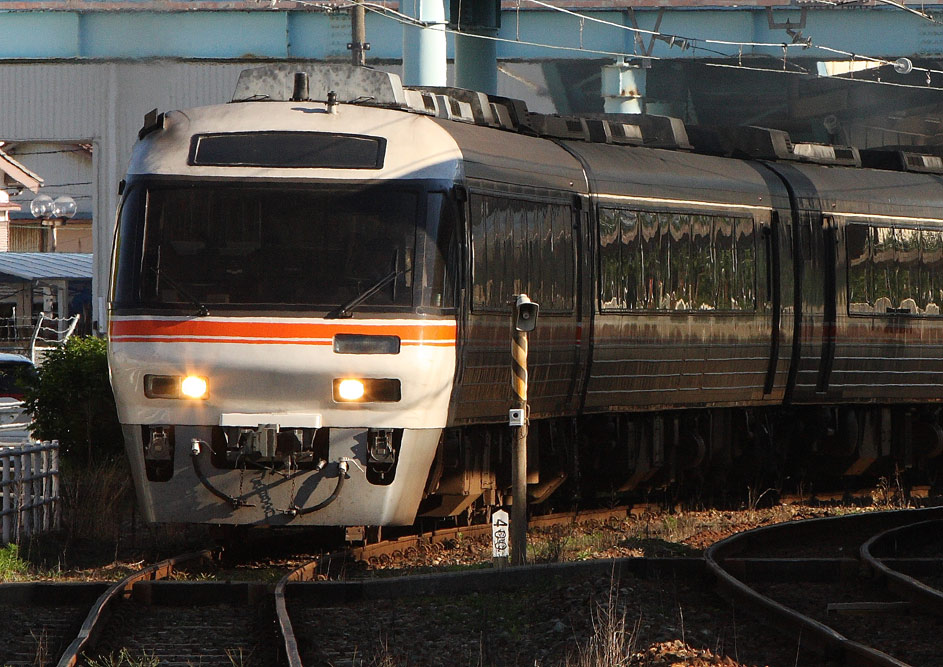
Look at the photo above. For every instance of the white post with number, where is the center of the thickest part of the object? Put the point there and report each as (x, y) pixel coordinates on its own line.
(499, 538)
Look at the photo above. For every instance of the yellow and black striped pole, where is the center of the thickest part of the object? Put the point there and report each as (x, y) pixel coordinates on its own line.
(523, 320)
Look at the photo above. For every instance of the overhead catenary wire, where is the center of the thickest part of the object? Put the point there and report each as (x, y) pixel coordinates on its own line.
(695, 43)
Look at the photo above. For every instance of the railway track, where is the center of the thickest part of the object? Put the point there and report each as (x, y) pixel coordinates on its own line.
(837, 584)
(821, 581)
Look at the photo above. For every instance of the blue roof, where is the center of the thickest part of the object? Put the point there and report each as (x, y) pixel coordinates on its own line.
(47, 265)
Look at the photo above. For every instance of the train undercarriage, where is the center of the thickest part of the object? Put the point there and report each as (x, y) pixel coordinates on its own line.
(716, 454)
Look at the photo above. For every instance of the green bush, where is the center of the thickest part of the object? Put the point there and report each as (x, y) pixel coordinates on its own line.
(71, 401)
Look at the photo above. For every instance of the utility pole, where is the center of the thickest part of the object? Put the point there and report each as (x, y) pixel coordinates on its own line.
(358, 35)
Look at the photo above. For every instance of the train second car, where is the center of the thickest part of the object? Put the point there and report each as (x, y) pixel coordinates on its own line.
(309, 312)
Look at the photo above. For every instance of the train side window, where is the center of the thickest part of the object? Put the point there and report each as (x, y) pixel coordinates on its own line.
(610, 263)
(702, 263)
(679, 260)
(652, 283)
(931, 265)
(908, 267)
(858, 243)
(723, 251)
(631, 269)
(883, 261)
(561, 253)
(745, 242)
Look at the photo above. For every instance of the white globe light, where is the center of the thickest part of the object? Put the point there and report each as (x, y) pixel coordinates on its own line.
(63, 207)
(41, 206)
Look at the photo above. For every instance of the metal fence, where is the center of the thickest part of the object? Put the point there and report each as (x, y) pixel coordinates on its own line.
(29, 487)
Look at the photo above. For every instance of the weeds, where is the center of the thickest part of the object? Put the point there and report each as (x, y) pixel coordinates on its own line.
(237, 658)
(96, 500)
(613, 641)
(42, 657)
(12, 567)
(890, 493)
(124, 659)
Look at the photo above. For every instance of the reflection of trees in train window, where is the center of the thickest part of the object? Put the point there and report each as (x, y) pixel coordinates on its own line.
(676, 261)
(679, 260)
(528, 248)
(702, 259)
(858, 242)
(561, 220)
(631, 259)
(884, 258)
(746, 263)
(651, 264)
(931, 265)
(723, 251)
(908, 268)
(896, 269)
(610, 262)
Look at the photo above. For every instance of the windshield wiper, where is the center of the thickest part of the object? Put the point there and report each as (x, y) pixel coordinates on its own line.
(344, 309)
(201, 308)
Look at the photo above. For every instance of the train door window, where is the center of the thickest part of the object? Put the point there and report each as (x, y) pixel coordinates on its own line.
(652, 280)
(679, 260)
(858, 243)
(745, 275)
(908, 268)
(884, 274)
(702, 263)
(932, 271)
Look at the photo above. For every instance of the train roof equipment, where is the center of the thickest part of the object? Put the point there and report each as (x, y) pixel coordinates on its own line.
(370, 87)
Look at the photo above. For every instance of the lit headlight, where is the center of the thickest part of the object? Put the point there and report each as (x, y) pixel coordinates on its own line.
(367, 390)
(174, 386)
(350, 390)
(193, 386)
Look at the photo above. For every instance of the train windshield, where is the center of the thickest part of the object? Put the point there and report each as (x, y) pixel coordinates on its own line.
(206, 246)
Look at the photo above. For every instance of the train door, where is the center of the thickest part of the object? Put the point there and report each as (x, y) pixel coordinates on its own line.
(812, 306)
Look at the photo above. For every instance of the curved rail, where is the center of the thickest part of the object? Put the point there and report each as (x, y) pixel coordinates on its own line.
(926, 597)
(308, 571)
(831, 643)
(91, 627)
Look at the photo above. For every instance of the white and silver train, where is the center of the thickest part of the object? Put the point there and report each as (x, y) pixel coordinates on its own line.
(311, 285)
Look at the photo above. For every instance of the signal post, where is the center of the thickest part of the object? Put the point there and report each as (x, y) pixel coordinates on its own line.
(523, 321)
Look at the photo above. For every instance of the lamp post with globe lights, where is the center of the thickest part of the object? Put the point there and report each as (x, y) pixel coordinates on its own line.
(52, 213)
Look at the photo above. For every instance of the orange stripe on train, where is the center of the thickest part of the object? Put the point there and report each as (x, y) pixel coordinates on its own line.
(304, 333)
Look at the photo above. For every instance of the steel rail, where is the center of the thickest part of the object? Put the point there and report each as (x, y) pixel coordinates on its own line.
(91, 627)
(828, 641)
(367, 552)
(924, 597)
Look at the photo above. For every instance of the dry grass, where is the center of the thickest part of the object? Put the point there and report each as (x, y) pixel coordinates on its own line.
(613, 641)
(96, 500)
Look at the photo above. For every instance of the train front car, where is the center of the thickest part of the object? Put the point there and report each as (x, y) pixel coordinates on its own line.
(282, 332)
